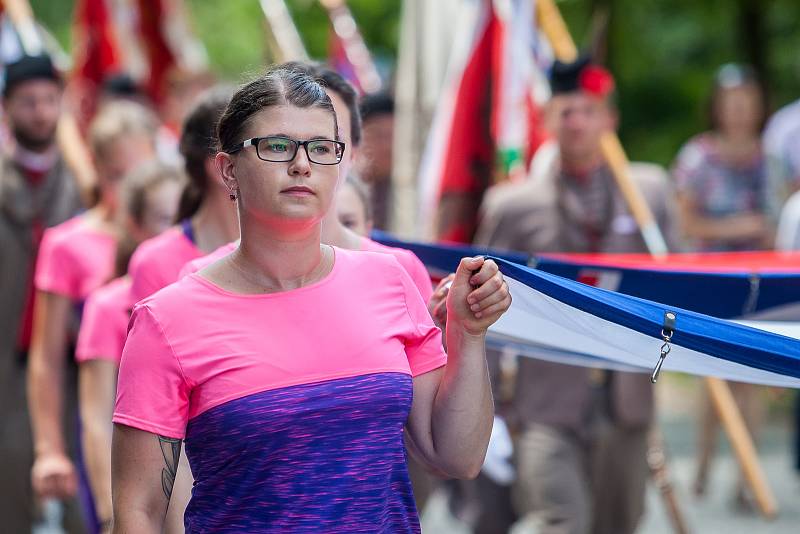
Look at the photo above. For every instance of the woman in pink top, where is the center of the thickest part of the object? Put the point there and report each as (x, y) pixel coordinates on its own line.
(291, 367)
(206, 217)
(74, 259)
(151, 201)
(334, 232)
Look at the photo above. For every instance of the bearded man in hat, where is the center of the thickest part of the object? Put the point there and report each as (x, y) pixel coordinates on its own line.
(581, 434)
(36, 191)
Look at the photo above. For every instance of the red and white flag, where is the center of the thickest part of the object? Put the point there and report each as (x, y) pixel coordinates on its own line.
(487, 121)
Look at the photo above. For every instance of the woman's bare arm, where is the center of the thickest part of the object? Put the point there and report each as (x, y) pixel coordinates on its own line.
(97, 384)
(143, 470)
(53, 474)
(452, 409)
(732, 228)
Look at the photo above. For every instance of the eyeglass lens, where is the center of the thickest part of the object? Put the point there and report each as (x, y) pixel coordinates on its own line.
(321, 151)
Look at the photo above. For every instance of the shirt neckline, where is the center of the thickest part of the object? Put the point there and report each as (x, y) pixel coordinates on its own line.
(325, 280)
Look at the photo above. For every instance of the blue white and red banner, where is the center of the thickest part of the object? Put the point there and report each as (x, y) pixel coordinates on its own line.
(565, 321)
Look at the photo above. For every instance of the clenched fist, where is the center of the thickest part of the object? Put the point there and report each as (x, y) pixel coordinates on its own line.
(478, 297)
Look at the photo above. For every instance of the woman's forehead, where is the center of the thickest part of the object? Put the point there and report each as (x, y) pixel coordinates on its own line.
(292, 121)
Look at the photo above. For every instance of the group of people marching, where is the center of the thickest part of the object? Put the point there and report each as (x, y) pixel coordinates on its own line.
(222, 292)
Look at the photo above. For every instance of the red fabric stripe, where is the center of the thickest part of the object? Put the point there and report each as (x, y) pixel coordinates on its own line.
(720, 262)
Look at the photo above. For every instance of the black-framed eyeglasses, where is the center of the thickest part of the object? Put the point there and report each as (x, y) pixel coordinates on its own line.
(277, 148)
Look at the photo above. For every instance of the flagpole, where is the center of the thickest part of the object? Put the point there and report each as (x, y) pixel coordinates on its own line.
(68, 134)
(283, 31)
(345, 27)
(553, 25)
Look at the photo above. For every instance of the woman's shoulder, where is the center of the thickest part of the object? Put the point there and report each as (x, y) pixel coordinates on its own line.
(114, 294)
(367, 259)
(166, 241)
(75, 236)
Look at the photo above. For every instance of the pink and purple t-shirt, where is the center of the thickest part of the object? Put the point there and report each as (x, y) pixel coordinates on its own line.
(292, 404)
(407, 259)
(105, 322)
(157, 262)
(74, 259)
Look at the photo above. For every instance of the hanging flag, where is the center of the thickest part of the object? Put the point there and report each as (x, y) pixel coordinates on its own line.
(459, 159)
(169, 45)
(160, 58)
(489, 121)
(96, 53)
(427, 33)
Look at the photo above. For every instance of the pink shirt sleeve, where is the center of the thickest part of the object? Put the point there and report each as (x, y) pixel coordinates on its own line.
(144, 281)
(99, 337)
(152, 391)
(419, 275)
(55, 269)
(424, 346)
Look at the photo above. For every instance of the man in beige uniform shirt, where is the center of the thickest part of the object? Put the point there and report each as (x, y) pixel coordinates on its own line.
(581, 434)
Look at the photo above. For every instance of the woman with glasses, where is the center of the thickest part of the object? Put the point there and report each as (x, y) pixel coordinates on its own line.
(291, 368)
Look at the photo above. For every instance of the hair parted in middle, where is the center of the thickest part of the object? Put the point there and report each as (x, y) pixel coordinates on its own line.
(278, 86)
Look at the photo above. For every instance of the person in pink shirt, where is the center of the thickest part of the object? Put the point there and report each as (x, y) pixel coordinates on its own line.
(75, 258)
(206, 217)
(303, 432)
(353, 205)
(150, 200)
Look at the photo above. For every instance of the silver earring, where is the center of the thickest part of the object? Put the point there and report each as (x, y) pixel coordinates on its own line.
(232, 196)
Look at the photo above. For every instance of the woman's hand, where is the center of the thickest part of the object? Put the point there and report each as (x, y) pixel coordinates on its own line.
(437, 305)
(478, 297)
(53, 475)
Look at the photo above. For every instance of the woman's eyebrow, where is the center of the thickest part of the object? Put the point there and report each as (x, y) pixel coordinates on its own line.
(312, 138)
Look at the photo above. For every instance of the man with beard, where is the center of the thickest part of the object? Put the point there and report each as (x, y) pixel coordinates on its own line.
(36, 191)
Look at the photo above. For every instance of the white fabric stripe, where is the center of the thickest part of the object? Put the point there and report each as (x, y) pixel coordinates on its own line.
(542, 320)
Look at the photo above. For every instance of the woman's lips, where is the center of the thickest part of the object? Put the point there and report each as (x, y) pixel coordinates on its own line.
(299, 190)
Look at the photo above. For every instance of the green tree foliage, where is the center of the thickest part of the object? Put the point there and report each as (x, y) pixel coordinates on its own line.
(662, 52)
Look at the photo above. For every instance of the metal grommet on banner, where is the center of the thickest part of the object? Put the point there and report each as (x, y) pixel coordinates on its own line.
(667, 330)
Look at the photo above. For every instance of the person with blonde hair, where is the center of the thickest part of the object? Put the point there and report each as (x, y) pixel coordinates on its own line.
(75, 258)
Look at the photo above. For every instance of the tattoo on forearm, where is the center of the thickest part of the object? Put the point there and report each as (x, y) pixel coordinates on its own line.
(171, 450)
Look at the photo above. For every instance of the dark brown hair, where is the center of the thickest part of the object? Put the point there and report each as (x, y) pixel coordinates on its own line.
(277, 86)
(198, 143)
(330, 79)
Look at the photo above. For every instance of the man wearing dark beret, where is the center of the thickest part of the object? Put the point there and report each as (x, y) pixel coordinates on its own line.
(581, 434)
(36, 191)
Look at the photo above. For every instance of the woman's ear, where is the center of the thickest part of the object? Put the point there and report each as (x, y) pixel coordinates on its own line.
(225, 168)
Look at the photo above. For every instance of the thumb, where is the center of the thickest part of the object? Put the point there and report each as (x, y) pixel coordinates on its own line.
(466, 268)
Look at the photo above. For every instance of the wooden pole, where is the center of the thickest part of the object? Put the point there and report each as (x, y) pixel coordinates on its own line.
(284, 33)
(553, 25)
(742, 445)
(68, 135)
(345, 27)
